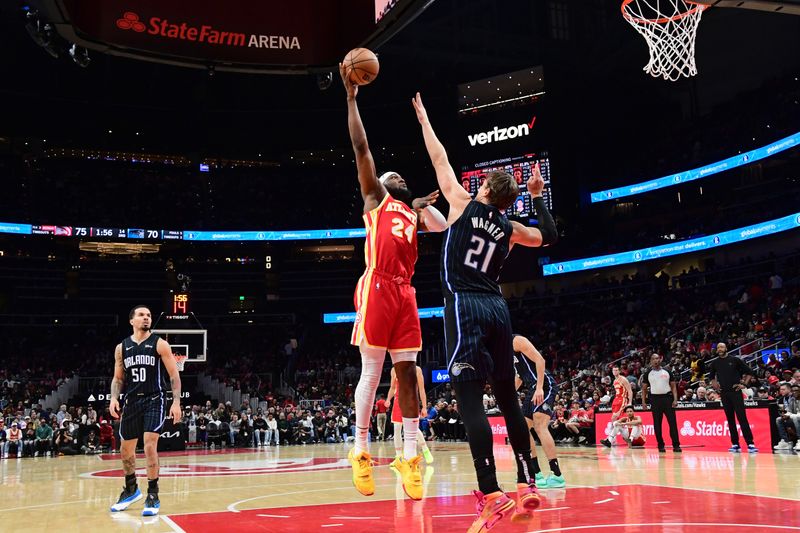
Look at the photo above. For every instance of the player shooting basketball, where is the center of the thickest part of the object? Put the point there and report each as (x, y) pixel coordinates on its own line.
(386, 307)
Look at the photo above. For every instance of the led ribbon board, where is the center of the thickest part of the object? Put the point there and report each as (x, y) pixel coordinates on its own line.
(700, 172)
(343, 318)
(746, 233)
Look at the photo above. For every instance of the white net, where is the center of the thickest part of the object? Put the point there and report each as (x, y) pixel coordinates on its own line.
(670, 28)
(180, 360)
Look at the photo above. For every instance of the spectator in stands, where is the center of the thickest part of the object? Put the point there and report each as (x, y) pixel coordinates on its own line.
(440, 425)
(107, 437)
(28, 440)
(305, 429)
(245, 437)
(558, 426)
(65, 443)
(216, 433)
(14, 440)
(91, 444)
(489, 401)
(272, 431)
(319, 426)
(259, 430)
(331, 432)
(283, 428)
(789, 419)
(202, 430)
(62, 413)
(44, 439)
(233, 429)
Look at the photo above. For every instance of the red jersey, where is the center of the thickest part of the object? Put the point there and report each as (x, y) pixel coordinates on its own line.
(391, 246)
(385, 302)
(380, 406)
(621, 393)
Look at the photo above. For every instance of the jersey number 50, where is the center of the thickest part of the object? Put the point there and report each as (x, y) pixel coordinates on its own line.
(474, 253)
(139, 374)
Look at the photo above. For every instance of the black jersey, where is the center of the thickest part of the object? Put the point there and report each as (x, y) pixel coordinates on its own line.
(474, 250)
(145, 374)
(526, 371)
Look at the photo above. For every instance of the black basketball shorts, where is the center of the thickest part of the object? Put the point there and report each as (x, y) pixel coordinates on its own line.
(546, 407)
(478, 337)
(142, 414)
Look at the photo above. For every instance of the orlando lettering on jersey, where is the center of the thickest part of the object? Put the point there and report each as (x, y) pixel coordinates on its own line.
(134, 360)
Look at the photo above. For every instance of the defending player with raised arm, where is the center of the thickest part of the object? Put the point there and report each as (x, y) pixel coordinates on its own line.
(458, 198)
(538, 407)
(142, 363)
(387, 318)
(478, 323)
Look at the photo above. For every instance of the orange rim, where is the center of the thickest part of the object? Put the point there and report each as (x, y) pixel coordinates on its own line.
(662, 20)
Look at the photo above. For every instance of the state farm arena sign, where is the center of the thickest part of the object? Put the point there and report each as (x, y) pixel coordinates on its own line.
(705, 427)
(279, 32)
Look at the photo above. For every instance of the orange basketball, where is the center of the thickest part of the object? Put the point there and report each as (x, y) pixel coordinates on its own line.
(361, 66)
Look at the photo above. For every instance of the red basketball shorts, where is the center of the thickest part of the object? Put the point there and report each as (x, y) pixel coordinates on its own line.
(386, 313)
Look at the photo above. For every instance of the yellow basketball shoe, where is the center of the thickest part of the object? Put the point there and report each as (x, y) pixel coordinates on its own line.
(412, 479)
(362, 472)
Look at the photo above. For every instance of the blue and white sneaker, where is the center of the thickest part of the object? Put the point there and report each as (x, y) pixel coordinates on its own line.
(125, 499)
(734, 449)
(752, 448)
(151, 505)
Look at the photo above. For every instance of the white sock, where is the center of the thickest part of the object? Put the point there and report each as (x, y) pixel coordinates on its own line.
(371, 367)
(398, 441)
(410, 427)
(421, 439)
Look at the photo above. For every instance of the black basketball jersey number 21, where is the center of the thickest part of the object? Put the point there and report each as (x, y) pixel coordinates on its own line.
(145, 374)
(474, 250)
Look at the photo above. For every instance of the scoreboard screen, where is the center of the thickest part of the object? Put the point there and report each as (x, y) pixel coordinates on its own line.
(521, 167)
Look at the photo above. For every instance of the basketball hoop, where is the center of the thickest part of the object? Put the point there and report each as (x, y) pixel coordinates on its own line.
(670, 28)
(180, 360)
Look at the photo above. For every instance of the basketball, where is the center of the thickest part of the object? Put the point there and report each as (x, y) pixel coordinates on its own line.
(362, 66)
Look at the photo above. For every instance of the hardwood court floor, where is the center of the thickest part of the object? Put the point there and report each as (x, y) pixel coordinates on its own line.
(309, 489)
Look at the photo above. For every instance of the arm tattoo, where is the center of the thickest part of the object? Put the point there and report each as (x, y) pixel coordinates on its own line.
(175, 383)
(116, 384)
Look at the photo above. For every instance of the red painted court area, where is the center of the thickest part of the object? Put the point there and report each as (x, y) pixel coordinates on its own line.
(636, 508)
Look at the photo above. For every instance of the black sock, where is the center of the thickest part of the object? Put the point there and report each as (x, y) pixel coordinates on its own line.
(554, 468)
(525, 467)
(536, 467)
(487, 475)
(152, 486)
(130, 482)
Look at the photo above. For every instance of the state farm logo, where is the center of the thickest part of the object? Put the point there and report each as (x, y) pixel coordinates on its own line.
(242, 468)
(687, 430)
(204, 33)
(130, 21)
(501, 134)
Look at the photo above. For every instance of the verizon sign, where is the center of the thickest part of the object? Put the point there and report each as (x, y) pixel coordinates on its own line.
(498, 134)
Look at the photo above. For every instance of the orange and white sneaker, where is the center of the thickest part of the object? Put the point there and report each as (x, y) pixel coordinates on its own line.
(412, 479)
(491, 509)
(362, 472)
(528, 500)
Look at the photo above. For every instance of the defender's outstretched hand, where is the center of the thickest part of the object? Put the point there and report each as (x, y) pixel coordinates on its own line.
(536, 182)
(422, 114)
(421, 203)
